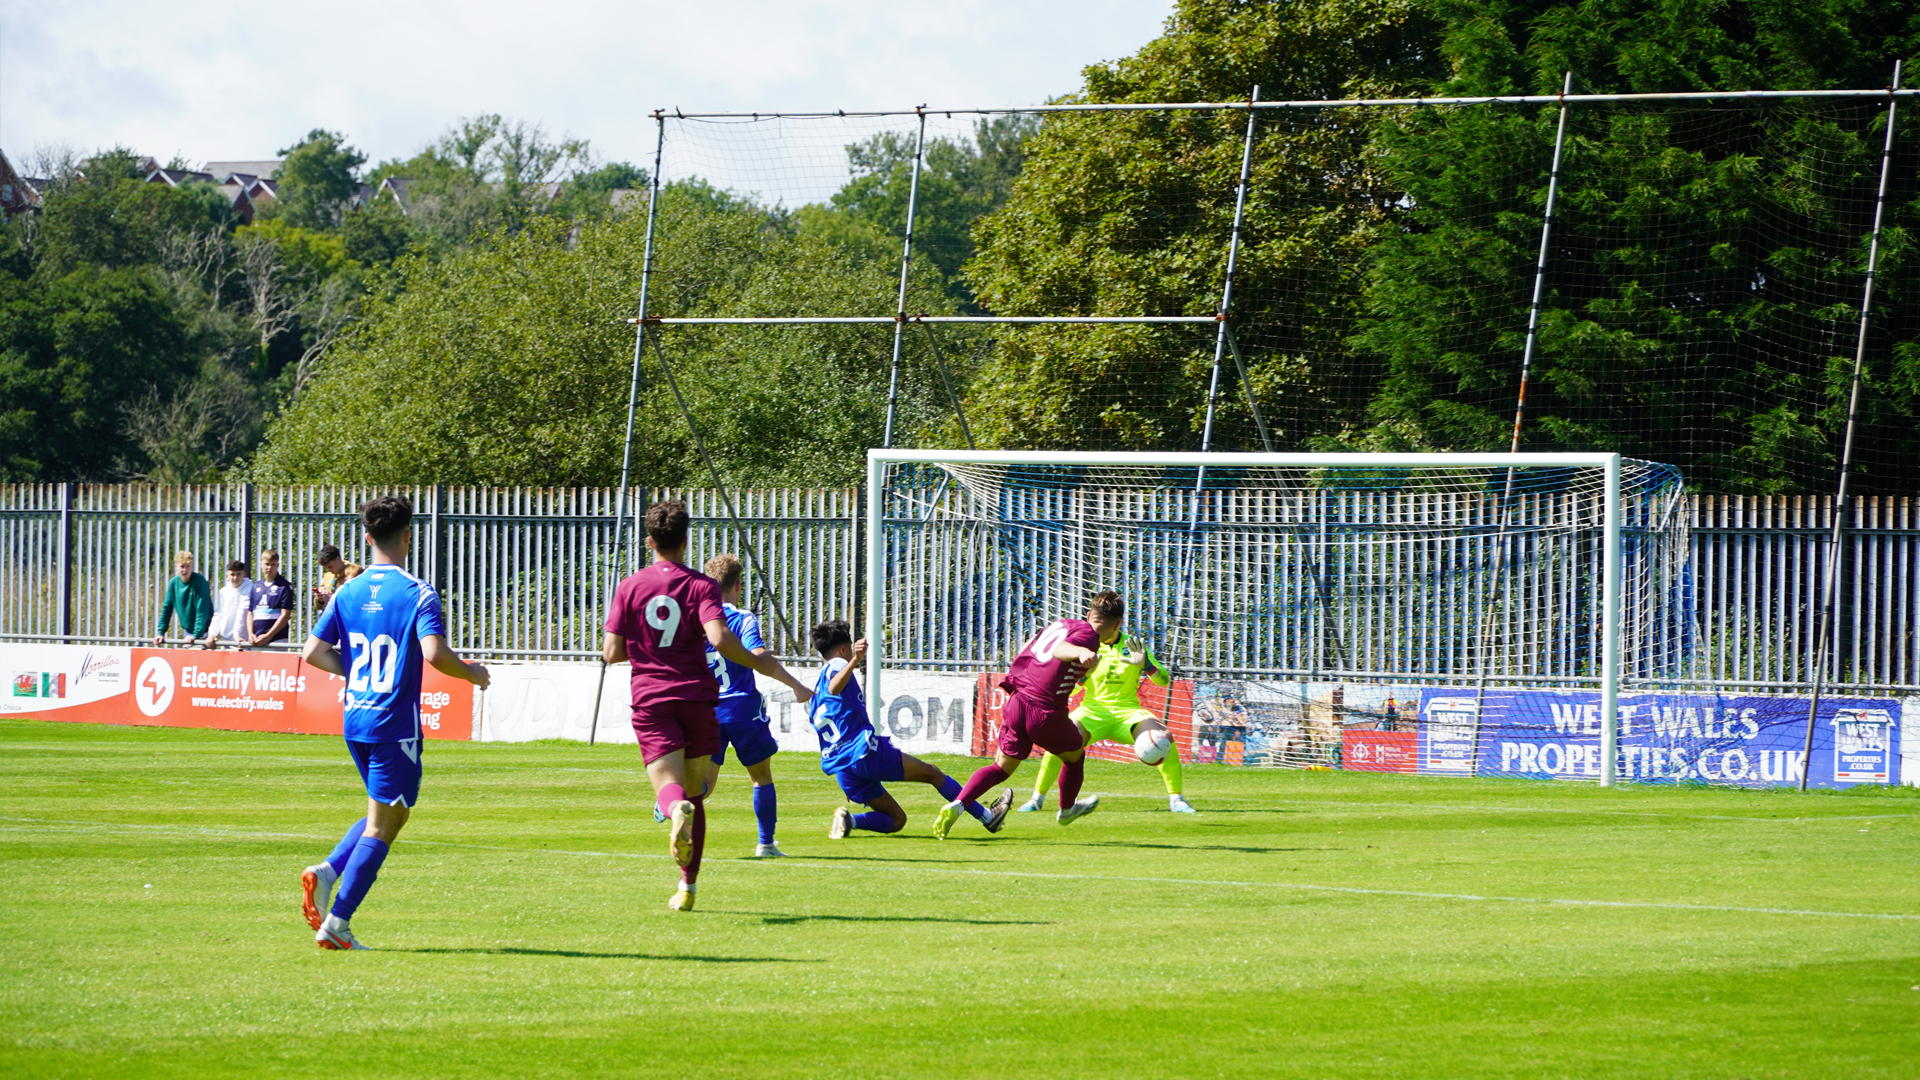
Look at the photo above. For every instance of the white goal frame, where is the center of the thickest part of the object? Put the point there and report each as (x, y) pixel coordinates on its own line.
(1613, 620)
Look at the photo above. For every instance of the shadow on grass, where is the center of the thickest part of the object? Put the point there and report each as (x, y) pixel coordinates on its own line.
(579, 954)
(861, 858)
(789, 920)
(1195, 847)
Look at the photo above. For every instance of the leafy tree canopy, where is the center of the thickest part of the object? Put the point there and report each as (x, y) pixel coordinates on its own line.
(510, 363)
(317, 180)
(1702, 286)
(1706, 270)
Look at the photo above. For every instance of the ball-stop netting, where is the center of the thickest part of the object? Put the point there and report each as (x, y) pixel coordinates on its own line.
(1471, 585)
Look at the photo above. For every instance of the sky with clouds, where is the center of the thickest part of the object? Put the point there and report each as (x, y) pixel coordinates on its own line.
(234, 83)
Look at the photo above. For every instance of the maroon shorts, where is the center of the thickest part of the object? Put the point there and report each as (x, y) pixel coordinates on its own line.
(665, 726)
(1024, 725)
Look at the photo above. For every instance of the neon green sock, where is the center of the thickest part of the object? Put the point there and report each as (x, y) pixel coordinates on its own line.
(1170, 770)
(1049, 772)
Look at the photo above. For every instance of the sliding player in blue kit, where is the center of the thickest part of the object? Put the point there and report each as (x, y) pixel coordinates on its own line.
(386, 625)
(862, 759)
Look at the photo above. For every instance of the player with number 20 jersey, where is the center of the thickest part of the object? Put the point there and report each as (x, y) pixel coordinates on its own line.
(377, 621)
(378, 633)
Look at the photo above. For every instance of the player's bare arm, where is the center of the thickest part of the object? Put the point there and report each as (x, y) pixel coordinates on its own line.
(838, 684)
(1077, 654)
(325, 657)
(613, 649)
(436, 652)
(763, 661)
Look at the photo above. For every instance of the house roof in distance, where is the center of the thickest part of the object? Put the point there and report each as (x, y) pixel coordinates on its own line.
(262, 169)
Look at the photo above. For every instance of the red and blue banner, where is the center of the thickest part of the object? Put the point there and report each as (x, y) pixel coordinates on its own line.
(1664, 737)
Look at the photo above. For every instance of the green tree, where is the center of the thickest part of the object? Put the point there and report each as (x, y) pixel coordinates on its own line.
(960, 182)
(317, 180)
(487, 173)
(73, 350)
(509, 363)
(589, 194)
(109, 219)
(1130, 213)
(1706, 267)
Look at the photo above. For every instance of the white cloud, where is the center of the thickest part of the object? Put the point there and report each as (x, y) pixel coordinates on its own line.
(237, 83)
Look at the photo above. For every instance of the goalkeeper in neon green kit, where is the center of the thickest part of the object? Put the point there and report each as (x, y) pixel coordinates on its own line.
(1111, 710)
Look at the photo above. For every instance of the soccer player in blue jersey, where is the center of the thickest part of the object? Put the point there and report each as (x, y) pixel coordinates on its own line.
(863, 760)
(377, 633)
(742, 712)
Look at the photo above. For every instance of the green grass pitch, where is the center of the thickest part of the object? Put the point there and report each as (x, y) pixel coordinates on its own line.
(1304, 925)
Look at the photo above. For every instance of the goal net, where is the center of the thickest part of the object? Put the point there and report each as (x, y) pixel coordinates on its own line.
(1300, 594)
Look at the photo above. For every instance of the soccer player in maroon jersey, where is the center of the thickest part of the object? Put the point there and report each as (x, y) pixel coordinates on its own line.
(662, 620)
(1038, 684)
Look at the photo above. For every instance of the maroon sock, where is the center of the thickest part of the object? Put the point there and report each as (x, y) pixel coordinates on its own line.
(981, 782)
(1071, 774)
(670, 793)
(691, 872)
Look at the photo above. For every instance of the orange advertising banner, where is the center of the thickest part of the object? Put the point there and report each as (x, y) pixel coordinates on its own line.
(203, 688)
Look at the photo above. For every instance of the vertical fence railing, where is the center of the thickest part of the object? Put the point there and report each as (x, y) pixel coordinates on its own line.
(524, 573)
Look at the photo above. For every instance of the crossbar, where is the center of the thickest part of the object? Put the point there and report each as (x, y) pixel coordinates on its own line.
(808, 320)
(1344, 103)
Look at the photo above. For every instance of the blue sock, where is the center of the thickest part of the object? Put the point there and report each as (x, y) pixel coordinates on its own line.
(873, 821)
(343, 850)
(765, 811)
(949, 789)
(362, 869)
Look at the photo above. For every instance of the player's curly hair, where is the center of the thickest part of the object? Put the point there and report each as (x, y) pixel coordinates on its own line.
(725, 569)
(386, 517)
(667, 525)
(1108, 605)
(830, 635)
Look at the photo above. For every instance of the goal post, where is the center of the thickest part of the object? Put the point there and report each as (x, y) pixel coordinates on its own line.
(1455, 569)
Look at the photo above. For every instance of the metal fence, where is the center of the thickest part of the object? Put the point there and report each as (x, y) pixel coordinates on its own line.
(524, 572)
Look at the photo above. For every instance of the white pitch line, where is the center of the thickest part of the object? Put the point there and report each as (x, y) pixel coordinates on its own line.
(1403, 808)
(802, 863)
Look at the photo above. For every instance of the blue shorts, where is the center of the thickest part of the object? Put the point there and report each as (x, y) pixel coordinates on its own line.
(861, 780)
(750, 739)
(390, 769)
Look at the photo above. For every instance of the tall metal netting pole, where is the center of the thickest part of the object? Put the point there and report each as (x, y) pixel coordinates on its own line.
(906, 267)
(792, 640)
(1219, 354)
(1835, 552)
(1540, 275)
(1233, 255)
(1485, 650)
(633, 403)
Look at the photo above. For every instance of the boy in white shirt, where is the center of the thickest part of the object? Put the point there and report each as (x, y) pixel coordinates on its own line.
(232, 622)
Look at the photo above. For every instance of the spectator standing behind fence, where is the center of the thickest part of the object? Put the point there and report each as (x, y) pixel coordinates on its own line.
(233, 609)
(334, 572)
(272, 602)
(187, 596)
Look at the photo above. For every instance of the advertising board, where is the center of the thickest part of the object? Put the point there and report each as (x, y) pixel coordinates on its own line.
(1749, 740)
(235, 690)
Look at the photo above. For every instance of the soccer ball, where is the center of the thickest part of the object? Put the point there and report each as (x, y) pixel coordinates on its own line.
(1152, 746)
